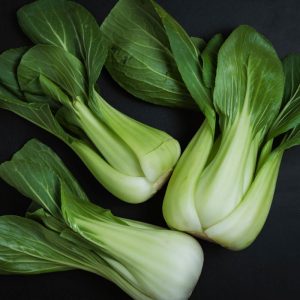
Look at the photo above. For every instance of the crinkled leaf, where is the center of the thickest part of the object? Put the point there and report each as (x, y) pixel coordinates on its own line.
(187, 59)
(249, 75)
(289, 116)
(140, 58)
(68, 25)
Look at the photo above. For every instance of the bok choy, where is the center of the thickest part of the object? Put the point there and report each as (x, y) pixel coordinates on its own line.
(63, 230)
(53, 85)
(223, 184)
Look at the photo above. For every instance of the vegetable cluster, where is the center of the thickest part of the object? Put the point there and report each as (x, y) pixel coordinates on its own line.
(223, 185)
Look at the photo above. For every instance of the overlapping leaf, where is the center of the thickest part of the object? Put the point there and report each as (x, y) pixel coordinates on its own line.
(70, 26)
(289, 116)
(140, 58)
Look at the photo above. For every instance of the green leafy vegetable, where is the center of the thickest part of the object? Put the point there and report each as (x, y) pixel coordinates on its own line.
(222, 187)
(65, 231)
(53, 85)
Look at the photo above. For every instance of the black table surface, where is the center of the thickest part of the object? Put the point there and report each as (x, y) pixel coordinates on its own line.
(269, 268)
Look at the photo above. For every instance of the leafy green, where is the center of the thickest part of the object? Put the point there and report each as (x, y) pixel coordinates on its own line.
(199, 43)
(9, 61)
(36, 172)
(26, 247)
(53, 85)
(79, 234)
(289, 116)
(248, 60)
(209, 59)
(51, 63)
(187, 60)
(68, 25)
(223, 192)
(140, 58)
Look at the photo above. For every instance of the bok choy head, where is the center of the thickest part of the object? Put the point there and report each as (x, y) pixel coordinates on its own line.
(63, 230)
(224, 183)
(220, 166)
(53, 85)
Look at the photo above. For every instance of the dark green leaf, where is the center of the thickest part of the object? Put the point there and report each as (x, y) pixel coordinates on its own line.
(52, 223)
(56, 65)
(290, 140)
(70, 26)
(9, 85)
(140, 59)
(289, 116)
(9, 61)
(37, 113)
(249, 76)
(199, 43)
(209, 57)
(186, 57)
(30, 106)
(37, 172)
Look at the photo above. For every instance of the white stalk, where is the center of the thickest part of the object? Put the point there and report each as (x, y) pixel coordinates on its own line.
(242, 226)
(222, 184)
(161, 263)
(179, 208)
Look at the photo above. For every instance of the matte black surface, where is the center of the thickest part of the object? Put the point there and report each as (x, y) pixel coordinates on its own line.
(270, 268)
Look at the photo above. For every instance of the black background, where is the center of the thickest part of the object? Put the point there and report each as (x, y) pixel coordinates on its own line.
(270, 268)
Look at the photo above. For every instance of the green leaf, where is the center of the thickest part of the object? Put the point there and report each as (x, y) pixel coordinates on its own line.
(290, 140)
(289, 116)
(37, 113)
(9, 61)
(56, 65)
(209, 57)
(199, 43)
(27, 247)
(249, 76)
(186, 57)
(72, 209)
(9, 85)
(140, 58)
(30, 106)
(37, 172)
(70, 26)
(52, 223)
